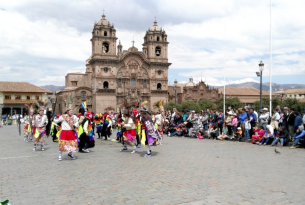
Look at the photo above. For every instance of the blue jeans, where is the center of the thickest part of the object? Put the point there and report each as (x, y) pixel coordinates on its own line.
(295, 142)
(247, 134)
(205, 126)
(265, 140)
(282, 140)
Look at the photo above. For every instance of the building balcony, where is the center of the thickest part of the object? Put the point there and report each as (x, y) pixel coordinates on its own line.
(16, 101)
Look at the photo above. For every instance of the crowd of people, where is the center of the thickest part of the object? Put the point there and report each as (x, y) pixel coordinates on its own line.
(277, 128)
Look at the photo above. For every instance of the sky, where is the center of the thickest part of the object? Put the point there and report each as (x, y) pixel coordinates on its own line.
(218, 41)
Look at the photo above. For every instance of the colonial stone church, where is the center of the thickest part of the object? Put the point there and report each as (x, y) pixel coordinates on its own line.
(113, 74)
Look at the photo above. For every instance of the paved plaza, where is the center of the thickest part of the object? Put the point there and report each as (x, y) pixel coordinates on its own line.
(181, 171)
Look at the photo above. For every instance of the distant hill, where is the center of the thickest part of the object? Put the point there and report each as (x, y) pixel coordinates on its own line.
(265, 86)
(53, 88)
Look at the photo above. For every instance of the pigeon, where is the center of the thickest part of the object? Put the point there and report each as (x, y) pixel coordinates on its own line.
(277, 152)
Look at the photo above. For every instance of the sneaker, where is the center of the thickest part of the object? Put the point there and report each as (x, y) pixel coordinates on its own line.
(85, 150)
(147, 155)
(292, 147)
(34, 149)
(42, 149)
(71, 156)
(133, 151)
(26, 141)
(264, 144)
(139, 146)
(260, 144)
(59, 158)
(124, 148)
(168, 134)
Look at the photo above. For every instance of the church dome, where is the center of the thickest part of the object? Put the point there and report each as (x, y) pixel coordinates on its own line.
(155, 27)
(103, 21)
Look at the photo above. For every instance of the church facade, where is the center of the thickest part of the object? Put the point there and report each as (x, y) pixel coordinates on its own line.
(113, 74)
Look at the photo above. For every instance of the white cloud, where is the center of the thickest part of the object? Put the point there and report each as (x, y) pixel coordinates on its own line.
(51, 38)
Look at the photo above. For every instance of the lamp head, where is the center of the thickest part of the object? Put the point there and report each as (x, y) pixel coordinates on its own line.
(261, 66)
(175, 82)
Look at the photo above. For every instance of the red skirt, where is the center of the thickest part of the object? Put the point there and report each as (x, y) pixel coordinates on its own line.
(67, 135)
(67, 141)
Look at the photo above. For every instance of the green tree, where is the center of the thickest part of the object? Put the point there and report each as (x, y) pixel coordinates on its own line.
(205, 104)
(292, 102)
(265, 103)
(170, 105)
(235, 103)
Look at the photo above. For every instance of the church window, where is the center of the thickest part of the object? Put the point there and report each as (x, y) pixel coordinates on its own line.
(83, 95)
(105, 69)
(158, 51)
(133, 82)
(105, 33)
(105, 85)
(159, 72)
(113, 34)
(119, 81)
(105, 47)
(96, 32)
(74, 83)
(151, 38)
(165, 39)
(158, 38)
(159, 86)
(144, 82)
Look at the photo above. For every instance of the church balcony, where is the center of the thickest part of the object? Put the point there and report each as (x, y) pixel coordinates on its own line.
(106, 91)
(159, 91)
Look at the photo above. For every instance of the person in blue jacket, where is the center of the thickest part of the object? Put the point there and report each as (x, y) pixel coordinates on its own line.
(242, 118)
(297, 121)
(300, 133)
(220, 119)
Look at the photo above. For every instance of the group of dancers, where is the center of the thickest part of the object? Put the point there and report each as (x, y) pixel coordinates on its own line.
(135, 127)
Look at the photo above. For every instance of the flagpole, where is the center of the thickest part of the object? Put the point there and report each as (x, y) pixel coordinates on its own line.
(270, 63)
(224, 67)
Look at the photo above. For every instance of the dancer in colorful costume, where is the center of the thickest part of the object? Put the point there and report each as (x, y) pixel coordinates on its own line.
(85, 133)
(98, 118)
(40, 122)
(150, 135)
(159, 119)
(55, 128)
(106, 129)
(68, 136)
(129, 135)
(28, 123)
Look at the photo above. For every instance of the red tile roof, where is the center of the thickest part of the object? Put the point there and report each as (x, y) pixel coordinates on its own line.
(242, 92)
(21, 87)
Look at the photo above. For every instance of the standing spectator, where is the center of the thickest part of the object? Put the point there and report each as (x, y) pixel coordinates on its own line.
(297, 121)
(247, 128)
(290, 122)
(4, 119)
(275, 120)
(285, 117)
(242, 120)
(185, 116)
(229, 122)
(234, 125)
(173, 114)
(264, 117)
(278, 107)
(213, 118)
(220, 119)
(50, 119)
(205, 120)
(252, 120)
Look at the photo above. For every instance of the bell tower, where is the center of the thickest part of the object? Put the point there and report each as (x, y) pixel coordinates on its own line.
(155, 44)
(103, 40)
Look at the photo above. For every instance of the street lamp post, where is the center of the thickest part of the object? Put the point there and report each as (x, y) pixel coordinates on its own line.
(260, 74)
(175, 88)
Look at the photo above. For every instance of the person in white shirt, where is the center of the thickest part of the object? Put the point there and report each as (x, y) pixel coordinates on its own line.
(39, 133)
(275, 120)
(264, 117)
(68, 137)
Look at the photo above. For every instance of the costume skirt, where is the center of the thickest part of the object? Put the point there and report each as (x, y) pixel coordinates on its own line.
(67, 141)
(27, 130)
(39, 135)
(130, 137)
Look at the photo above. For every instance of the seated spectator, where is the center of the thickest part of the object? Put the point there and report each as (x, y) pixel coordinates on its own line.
(300, 133)
(180, 131)
(267, 135)
(214, 132)
(200, 134)
(260, 133)
(224, 133)
(238, 135)
(282, 136)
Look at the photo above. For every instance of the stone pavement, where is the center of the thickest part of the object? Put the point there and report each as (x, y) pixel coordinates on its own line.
(181, 171)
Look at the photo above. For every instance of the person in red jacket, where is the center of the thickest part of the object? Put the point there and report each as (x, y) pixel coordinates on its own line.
(260, 133)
